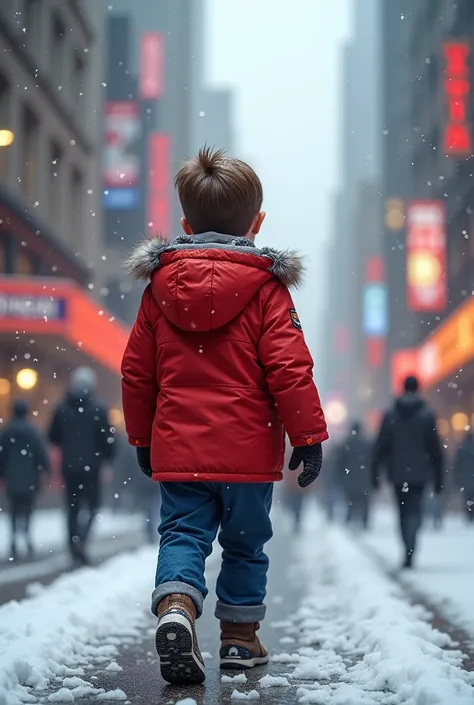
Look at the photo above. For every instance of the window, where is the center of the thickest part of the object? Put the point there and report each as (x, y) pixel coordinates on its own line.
(4, 123)
(79, 86)
(24, 265)
(56, 175)
(58, 50)
(29, 165)
(31, 23)
(77, 193)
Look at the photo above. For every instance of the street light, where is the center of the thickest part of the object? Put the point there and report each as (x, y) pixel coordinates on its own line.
(7, 137)
(26, 378)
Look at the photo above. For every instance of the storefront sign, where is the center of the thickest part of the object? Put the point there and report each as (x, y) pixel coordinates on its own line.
(151, 66)
(426, 256)
(32, 307)
(159, 186)
(457, 91)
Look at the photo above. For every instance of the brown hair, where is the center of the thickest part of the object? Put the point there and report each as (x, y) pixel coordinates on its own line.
(218, 193)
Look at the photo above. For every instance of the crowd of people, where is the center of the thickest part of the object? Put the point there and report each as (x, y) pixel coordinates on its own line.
(80, 429)
(408, 451)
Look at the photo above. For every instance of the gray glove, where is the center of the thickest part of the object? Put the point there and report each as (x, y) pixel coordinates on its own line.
(312, 459)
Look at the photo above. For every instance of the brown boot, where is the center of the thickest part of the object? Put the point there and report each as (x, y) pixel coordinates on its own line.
(240, 646)
(181, 662)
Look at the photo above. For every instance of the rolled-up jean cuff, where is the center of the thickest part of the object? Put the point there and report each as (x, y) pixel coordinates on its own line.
(242, 614)
(175, 587)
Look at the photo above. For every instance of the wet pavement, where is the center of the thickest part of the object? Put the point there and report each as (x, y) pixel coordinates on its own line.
(141, 680)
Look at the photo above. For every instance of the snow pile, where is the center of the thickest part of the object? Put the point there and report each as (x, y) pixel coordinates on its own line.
(239, 678)
(77, 621)
(273, 682)
(358, 629)
(444, 569)
(49, 531)
(252, 695)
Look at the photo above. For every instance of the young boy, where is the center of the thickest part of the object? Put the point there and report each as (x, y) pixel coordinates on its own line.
(215, 370)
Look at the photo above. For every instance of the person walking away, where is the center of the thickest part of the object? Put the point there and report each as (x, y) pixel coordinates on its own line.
(142, 492)
(409, 446)
(354, 472)
(215, 369)
(464, 473)
(80, 429)
(294, 496)
(23, 462)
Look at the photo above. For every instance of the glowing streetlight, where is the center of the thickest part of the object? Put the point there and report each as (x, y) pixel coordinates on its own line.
(26, 378)
(336, 412)
(7, 137)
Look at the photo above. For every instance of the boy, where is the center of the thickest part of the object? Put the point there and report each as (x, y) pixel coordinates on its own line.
(215, 369)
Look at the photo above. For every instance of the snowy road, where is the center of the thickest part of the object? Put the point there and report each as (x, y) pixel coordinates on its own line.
(339, 630)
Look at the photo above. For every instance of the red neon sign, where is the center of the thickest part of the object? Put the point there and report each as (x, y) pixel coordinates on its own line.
(159, 188)
(457, 87)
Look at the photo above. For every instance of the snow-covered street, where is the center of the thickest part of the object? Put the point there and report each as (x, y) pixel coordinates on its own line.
(339, 631)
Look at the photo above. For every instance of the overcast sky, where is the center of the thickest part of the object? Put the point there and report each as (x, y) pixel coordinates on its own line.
(283, 57)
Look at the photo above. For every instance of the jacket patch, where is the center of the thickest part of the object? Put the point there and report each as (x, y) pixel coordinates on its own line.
(295, 319)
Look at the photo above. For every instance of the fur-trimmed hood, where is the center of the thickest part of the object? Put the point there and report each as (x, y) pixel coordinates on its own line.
(286, 265)
(204, 281)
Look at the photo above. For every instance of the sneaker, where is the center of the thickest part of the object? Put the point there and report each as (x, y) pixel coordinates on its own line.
(241, 647)
(181, 662)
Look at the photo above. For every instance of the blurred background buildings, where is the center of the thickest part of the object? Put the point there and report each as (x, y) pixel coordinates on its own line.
(404, 217)
(100, 103)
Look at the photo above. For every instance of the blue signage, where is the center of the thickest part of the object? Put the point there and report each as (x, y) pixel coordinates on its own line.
(44, 308)
(121, 198)
(375, 312)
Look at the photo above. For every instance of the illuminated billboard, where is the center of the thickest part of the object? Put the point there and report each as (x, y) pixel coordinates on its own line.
(426, 256)
(121, 176)
(151, 66)
(159, 185)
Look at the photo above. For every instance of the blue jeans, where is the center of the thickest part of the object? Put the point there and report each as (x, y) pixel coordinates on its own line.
(191, 514)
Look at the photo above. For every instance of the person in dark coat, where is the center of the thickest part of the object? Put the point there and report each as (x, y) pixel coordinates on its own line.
(409, 447)
(142, 491)
(80, 428)
(23, 459)
(464, 473)
(354, 471)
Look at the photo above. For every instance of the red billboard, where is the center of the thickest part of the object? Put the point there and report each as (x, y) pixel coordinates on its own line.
(151, 66)
(159, 185)
(426, 256)
(457, 91)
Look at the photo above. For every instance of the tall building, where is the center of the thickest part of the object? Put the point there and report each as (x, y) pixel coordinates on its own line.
(153, 99)
(428, 167)
(215, 126)
(51, 248)
(351, 240)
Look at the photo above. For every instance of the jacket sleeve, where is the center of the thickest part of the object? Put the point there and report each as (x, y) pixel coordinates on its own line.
(288, 369)
(55, 429)
(40, 450)
(435, 451)
(382, 445)
(139, 385)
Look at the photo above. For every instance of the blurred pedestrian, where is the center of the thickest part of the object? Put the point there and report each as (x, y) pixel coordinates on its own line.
(409, 446)
(464, 473)
(80, 429)
(23, 460)
(294, 496)
(354, 473)
(331, 495)
(143, 493)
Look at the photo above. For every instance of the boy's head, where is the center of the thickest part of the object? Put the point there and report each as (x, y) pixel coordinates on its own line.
(219, 194)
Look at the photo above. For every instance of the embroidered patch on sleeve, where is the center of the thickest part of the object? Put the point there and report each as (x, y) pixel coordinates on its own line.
(295, 319)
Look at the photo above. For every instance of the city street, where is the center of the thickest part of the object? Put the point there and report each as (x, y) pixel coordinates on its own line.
(339, 630)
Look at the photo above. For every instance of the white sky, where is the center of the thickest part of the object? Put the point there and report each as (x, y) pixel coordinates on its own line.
(284, 59)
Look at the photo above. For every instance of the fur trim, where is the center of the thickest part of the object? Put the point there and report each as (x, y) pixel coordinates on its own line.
(287, 266)
(142, 262)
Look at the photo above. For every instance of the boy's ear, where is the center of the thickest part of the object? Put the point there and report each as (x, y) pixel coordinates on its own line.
(257, 223)
(186, 227)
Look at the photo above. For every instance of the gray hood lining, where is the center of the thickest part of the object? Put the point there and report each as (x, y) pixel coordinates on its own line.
(287, 265)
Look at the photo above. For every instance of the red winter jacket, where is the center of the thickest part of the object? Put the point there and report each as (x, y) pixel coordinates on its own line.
(216, 365)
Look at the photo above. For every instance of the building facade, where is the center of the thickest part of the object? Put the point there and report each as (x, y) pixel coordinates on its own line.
(51, 248)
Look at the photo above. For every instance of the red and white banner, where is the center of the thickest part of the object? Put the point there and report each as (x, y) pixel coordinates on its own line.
(151, 66)
(159, 185)
(426, 256)
(122, 141)
(457, 90)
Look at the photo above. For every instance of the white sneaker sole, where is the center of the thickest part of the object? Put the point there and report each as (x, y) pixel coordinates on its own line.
(179, 662)
(233, 664)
